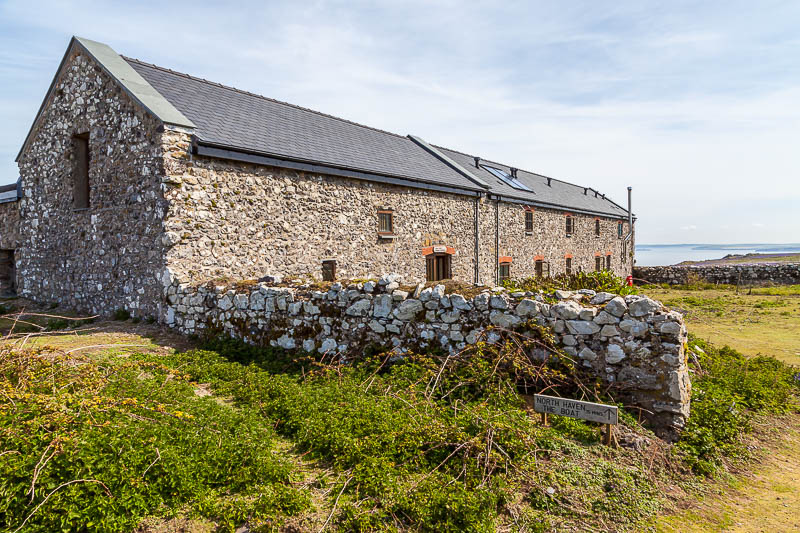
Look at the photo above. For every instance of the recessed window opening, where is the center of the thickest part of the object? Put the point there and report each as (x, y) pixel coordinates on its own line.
(80, 177)
(505, 271)
(507, 178)
(528, 221)
(570, 225)
(598, 263)
(386, 222)
(329, 270)
(438, 267)
(597, 227)
(608, 262)
(568, 266)
(539, 268)
(619, 230)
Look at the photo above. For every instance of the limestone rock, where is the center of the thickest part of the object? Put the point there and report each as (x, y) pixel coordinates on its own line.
(614, 354)
(616, 307)
(643, 307)
(408, 309)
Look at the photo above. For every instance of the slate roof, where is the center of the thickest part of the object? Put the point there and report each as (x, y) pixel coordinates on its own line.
(238, 120)
(558, 193)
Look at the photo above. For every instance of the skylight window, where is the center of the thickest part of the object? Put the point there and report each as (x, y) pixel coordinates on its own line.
(507, 178)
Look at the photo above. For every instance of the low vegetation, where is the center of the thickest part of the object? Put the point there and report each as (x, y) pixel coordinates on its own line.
(226, 434)
(604, 281)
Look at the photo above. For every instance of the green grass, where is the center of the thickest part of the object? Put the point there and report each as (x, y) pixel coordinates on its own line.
(728, 390)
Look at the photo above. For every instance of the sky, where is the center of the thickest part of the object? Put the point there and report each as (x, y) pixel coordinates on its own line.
(696, 105)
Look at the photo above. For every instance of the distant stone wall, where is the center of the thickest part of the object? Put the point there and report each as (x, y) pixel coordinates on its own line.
(788, 274)
(633, 342)
(9, 225)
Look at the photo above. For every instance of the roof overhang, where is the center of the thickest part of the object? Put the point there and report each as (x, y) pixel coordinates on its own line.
(207, 149)
(131, 82)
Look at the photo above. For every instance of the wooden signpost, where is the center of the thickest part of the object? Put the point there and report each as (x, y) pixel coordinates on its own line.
(594, 412)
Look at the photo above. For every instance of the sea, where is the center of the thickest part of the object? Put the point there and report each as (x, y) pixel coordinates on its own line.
(671, 254)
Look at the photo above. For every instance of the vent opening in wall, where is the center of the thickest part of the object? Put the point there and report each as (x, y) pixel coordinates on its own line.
(329, 270)
(8, 274)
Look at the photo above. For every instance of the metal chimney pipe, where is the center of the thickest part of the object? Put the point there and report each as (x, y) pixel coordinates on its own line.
(630, 212)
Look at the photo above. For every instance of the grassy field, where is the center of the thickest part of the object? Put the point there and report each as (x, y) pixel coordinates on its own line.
(750, 259)
(121, 425)
(762, 321)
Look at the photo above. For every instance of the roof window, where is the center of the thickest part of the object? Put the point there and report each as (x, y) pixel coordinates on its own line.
(507, 178)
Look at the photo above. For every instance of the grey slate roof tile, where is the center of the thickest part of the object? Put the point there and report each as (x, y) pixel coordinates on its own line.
(239, 120)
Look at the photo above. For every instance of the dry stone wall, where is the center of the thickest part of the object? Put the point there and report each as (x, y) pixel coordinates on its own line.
(633, 342)
(110, 255)
(786, 274)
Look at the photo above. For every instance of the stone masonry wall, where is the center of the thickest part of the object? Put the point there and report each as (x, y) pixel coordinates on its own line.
(238, 220)
(549, 241)
(786, 274)
(9, 225)
(633, 342)
(110, 255)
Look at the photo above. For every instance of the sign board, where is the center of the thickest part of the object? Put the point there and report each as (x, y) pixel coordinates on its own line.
(439, 249)
(594, 412)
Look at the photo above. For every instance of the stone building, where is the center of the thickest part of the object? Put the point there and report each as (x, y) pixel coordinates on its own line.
(134, 176)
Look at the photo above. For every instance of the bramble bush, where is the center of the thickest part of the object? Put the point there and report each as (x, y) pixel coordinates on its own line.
(89, 444)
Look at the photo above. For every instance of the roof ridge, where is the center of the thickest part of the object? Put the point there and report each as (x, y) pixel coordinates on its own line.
(261, 96)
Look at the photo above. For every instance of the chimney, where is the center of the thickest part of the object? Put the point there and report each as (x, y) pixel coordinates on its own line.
(513, 172)
(595, 194)
(585, 190)
(477, 162)
(548, 182)
(630, 213)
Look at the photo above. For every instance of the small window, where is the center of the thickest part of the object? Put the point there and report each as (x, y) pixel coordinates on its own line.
(539, 268)
(385, 222)
(505, 271)
(608, 262)
(80, 186)
(598, 263)
(568, 266)
(437, 267)
(329, 270)
(619, 230)
(597, 227)
(570, 225)
(528, 221)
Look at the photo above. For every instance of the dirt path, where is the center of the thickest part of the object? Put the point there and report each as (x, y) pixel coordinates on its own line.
(767, 500)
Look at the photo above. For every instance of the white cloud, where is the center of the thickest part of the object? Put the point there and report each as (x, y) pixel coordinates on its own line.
(697, 112)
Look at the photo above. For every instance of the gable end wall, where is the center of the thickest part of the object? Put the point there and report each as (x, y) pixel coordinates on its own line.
(110, 255)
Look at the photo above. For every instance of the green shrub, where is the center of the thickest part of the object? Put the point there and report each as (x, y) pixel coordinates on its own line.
(117, 441)
(604, 280)
(727, 391)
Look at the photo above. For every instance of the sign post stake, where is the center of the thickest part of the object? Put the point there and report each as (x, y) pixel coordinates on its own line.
(544, 419)
(607, 436)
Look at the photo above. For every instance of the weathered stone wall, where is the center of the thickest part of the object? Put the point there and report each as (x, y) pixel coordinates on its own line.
(9, 225)
(110, 255)
(633, 342)
(239, 220)
(549, 241)
(786, 274)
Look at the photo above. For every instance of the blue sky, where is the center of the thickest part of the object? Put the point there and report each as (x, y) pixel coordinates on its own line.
(694, 104)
